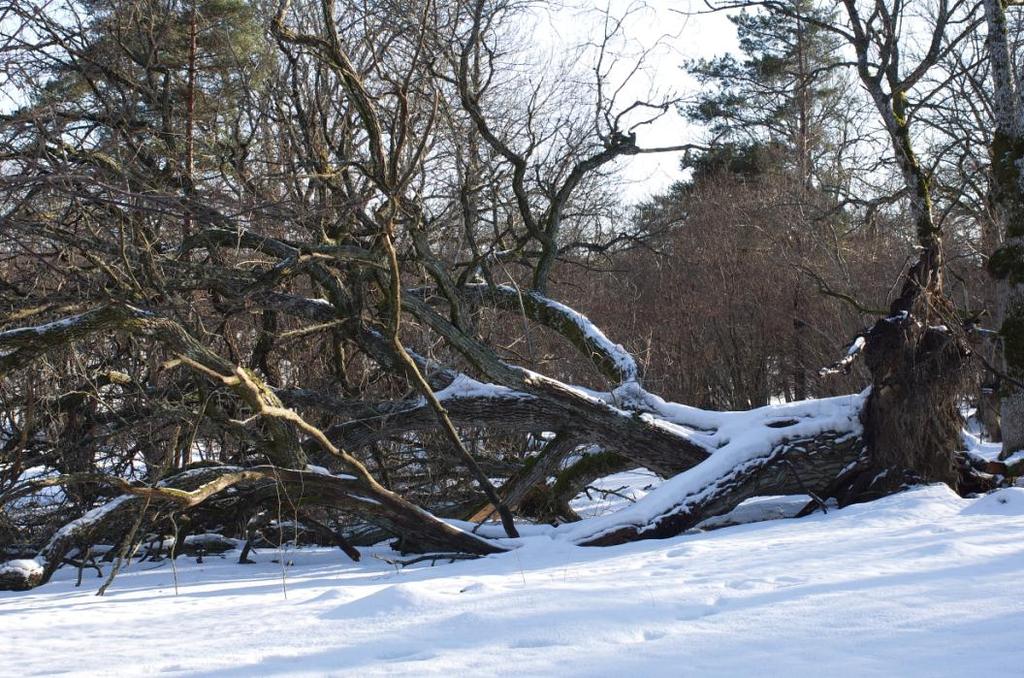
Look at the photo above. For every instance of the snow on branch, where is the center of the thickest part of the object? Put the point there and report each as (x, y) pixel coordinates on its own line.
(610, 358)
(18, 346)
(65, 329)
(20, 575)
(842, 366)
(463, 386)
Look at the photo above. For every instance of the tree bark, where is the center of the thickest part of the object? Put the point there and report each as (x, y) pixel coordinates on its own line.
(1007, 262)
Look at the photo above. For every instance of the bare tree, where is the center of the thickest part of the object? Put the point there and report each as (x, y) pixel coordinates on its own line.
(343, 329)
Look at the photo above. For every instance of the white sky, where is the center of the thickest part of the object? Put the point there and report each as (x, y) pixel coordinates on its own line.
(680, 35)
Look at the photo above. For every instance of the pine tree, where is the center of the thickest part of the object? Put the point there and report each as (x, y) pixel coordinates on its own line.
(784, 91)
(157, 84)
(776, 108)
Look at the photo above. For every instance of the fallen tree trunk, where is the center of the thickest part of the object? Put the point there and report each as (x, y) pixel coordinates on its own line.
(534, 473)
(763, 452)
(799, 466)
(295, 488)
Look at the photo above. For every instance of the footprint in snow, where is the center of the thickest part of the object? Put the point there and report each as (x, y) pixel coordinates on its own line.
(405, 654)
(691, 612)
(531, 643)
(745, 584)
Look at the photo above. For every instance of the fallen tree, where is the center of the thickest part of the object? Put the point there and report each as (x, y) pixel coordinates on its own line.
(729, 456)
(283, 325)
(714, 460)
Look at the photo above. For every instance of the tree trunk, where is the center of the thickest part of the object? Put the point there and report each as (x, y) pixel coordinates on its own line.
(1007, 263)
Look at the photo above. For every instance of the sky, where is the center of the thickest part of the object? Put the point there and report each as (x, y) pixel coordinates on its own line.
(680, 31)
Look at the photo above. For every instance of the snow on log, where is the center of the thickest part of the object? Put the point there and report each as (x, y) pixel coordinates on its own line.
(652, 442)
(18, 346)
(776, 450)
(20, 575)
(466, 387)
(613, 361)
(843, 365)
(550, 405)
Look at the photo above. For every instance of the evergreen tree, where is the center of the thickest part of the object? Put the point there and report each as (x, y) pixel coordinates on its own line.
(150, 84)
(784, 90)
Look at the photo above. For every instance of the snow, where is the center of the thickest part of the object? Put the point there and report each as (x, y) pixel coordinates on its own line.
(757, 509)
(857, 346)
(24, 568)
(464, 386)
(975, 445)
(63, 323)
(323, 471)
(1008, 501)
(611, 493)
(676, 413)
(90, 517)
(918, 584)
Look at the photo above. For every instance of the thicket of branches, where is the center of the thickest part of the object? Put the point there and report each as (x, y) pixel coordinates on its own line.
(296, 263)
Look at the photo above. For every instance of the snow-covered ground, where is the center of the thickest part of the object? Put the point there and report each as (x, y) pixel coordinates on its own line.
(922, 583)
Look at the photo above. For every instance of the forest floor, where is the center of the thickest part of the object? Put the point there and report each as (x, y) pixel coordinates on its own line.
(922, 583)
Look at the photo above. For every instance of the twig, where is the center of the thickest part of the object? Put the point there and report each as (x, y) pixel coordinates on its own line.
(125, 547)
(432, 557)
(174, 548)
(814, 497)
